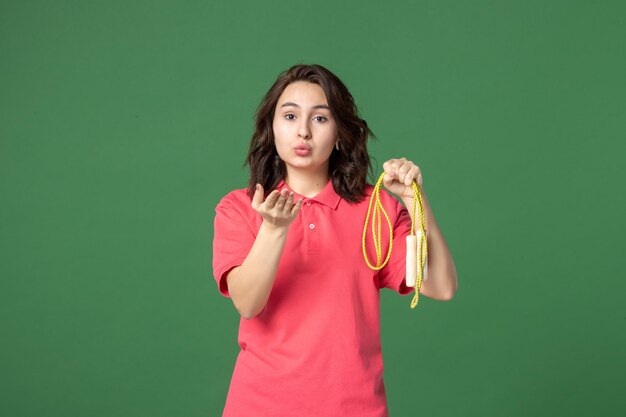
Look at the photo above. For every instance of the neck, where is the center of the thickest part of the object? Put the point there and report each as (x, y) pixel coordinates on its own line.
(307, 184)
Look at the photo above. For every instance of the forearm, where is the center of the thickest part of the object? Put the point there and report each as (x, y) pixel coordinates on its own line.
(252, 283)
(442, 280)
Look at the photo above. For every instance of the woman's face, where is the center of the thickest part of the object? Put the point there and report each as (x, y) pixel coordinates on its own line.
(304, 129)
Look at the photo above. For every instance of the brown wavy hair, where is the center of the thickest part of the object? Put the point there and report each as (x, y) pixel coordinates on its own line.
(348, 167)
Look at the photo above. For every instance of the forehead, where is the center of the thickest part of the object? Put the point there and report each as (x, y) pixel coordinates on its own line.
(304, 94)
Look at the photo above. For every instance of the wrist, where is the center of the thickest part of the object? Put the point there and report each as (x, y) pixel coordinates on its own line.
(273, 229)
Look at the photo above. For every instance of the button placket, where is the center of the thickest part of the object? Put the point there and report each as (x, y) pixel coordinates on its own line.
(313, 233)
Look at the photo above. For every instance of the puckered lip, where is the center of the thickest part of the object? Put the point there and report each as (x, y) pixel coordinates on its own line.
(305, 147)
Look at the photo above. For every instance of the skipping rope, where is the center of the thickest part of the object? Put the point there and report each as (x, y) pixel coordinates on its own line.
(416, 244)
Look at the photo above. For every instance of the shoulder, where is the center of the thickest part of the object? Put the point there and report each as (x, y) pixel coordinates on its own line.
(390, 203)
(236, 199)
(236, 196)
(386, 197)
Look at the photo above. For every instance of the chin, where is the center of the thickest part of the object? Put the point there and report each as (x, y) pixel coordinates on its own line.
(302, 165)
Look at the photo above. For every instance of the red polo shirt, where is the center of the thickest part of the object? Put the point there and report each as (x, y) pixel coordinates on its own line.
(315, 348)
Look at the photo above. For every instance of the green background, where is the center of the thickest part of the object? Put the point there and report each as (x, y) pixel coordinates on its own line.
(123, 123)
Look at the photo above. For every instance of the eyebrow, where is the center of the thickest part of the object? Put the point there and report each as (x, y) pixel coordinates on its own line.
(317, 106)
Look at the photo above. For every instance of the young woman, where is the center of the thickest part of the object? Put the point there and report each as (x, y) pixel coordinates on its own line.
(287, 250)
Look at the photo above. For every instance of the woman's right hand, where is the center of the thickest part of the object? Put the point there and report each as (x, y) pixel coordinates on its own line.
(278, 209)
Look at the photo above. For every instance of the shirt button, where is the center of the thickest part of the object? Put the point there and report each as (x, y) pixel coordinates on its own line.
(308, 203)
(311, 226)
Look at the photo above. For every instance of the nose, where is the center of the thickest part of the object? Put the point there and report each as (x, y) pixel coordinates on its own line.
(304, 131)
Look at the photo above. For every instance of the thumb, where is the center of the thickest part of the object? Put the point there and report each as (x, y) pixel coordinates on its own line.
(257, 198)
(388, 179)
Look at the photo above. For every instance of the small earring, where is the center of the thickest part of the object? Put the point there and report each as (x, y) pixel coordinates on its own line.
(337, 145)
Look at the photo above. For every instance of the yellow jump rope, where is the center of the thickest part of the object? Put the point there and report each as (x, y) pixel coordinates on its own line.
(416, 245)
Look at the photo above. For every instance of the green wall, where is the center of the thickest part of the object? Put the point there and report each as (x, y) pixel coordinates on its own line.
(122, 124)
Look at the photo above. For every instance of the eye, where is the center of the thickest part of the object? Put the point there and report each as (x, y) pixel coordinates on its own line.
(287, 116)
(321, 117)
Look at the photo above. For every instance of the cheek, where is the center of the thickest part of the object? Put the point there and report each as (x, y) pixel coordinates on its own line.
(280, 130)
(280, 139)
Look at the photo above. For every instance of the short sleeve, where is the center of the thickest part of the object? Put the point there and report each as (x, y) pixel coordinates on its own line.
(233, 238)
(392, 275)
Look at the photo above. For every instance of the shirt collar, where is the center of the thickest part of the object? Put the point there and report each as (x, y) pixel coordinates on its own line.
(327, 196)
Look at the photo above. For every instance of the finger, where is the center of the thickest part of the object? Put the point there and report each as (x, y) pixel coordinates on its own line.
(391, 165)
(411, 175)
(390, 174)
(282, 197)
(289, 203)
(404, 167)
(271, 199)
(257, 198)
(402, 171)
(296, 207)
(394, 166)
(388, 181)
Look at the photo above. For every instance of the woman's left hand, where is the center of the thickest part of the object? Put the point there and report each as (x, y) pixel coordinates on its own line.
(399, 174)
